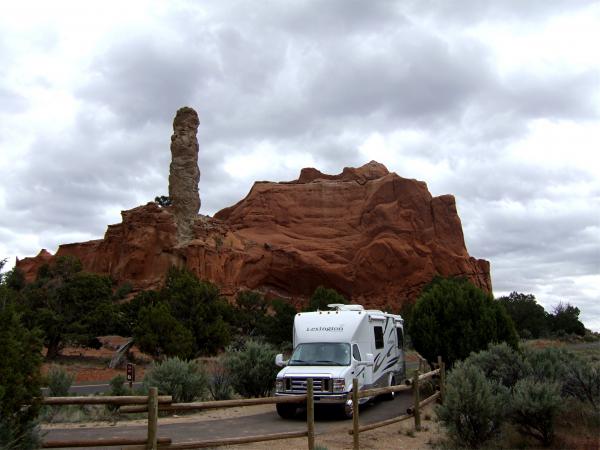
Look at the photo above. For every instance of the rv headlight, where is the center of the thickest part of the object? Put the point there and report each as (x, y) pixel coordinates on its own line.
(339, 385)
(279, 385)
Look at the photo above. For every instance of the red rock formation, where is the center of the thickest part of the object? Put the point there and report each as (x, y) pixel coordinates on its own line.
(370, 234)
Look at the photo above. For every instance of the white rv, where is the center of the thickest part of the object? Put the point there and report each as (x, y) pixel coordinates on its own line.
(333, 347)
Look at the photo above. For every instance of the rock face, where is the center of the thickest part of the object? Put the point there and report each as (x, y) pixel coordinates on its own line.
(372, 235)
(184, 174)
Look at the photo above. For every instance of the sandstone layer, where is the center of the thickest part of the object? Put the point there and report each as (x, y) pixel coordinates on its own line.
(372, 235)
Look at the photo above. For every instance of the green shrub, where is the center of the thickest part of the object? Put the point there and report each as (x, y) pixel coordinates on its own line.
(59, 382)
(278, 328)
(529, 317)
(534, 407)
(70, 306)
(583, 382)
(548, 364)
(25, 437)
(252, 368)
(565, 320)
(219, 382)
(159, 333)
(500, 363)
(199, 307)
(452, 318)
(322, 297)
(184, 380)
(20, 378)
(474, 408)
(118, 386)
(579, 378)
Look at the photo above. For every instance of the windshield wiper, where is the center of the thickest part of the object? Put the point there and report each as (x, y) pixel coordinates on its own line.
(330, 362)
(297, 361)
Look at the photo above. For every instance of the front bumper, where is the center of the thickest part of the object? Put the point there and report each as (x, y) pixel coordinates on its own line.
(321, 398)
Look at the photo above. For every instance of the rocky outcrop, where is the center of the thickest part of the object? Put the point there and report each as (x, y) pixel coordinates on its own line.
(184, 174)
(374, 236)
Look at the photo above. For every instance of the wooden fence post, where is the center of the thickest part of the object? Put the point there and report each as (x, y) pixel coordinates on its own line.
(417, 400)
(355, 423)
(442, 367)
(310, 413)
(152, 419)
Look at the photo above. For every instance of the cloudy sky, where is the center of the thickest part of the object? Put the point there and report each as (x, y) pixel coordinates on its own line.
(496, 102)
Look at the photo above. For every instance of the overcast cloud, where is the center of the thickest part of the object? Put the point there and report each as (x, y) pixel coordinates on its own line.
(496, 102)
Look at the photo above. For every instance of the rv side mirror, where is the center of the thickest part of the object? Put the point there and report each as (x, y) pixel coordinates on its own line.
(279, 362)
(368, 360)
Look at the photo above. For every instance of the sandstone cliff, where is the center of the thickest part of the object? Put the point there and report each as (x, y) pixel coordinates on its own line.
(370, 234)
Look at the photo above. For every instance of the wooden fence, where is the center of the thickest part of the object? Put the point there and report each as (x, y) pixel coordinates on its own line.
(153, 403)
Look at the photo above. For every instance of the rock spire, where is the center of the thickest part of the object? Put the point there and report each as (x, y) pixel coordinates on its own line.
(184, 174)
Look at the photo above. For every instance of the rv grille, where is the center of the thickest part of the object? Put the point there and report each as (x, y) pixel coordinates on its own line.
(298, 385)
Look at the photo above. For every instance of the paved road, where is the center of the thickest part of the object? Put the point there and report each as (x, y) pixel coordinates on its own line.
(90, 389)
(263, 423)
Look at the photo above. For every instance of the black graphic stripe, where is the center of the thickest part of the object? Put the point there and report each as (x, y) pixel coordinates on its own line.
(391, 363)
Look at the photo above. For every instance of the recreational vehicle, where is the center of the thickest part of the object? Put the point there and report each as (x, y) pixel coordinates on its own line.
(333, 347)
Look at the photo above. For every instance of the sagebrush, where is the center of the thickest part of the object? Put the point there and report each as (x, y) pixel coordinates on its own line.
(184, 380)
(252, 368)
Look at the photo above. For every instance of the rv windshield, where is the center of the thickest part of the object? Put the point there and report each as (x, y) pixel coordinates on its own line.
(321, 354)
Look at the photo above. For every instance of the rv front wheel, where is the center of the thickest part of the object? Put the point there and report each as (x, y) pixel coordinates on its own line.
(346, 410)
(286, 410)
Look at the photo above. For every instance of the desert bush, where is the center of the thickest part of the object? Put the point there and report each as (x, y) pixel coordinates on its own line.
(579, 378)
(184, 380)
(474, 408)
(59, 382)
(548, 364)
(583, 382)
(219, 382)
(501, 363)
(252, 368)
(118, 387)
(534, 407)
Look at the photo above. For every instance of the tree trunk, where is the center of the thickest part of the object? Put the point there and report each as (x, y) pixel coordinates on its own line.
(53, 348)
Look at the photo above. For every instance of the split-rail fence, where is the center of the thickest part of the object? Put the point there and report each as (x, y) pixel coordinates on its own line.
(153, 403)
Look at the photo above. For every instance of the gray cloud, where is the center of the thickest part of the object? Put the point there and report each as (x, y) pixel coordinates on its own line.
(469, 11)
(318, 78)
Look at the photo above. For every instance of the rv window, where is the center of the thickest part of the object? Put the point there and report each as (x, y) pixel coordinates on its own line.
(378, 337)
(356, 352)
(400, 336)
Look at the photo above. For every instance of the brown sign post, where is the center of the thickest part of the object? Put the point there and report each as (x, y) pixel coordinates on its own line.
(130, 374)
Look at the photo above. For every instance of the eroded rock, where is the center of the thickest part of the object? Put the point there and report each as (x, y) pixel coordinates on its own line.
(372, 235)
(184, 174)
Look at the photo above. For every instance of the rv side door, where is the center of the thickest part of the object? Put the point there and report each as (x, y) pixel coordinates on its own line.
(363, 365)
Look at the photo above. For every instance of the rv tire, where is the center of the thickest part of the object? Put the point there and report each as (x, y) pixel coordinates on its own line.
(286, 410)
(345, 410)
